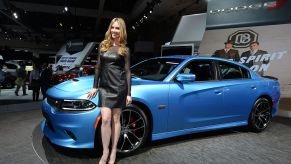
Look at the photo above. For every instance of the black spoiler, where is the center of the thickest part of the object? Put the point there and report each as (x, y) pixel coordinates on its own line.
(270, 77)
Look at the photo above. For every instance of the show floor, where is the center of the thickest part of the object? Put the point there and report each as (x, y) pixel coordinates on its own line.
(21, 142)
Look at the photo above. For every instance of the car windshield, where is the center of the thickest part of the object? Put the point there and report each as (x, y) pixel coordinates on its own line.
(155, 69)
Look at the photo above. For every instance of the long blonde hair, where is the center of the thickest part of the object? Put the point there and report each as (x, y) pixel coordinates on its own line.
(108, 42)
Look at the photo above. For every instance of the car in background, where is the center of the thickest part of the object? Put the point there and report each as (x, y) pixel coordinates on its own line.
(72, 73)
(9, 68)
(171, 96)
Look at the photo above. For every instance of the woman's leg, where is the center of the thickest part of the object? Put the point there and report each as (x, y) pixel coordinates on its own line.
(116, 128)
(105, 133)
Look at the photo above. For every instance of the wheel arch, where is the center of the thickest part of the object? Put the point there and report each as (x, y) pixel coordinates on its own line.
(147, 111)
(268, 97)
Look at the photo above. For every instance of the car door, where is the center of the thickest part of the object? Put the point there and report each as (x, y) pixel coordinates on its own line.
(240, 91)
(198, 103)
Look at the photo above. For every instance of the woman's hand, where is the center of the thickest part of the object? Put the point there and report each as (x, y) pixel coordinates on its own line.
(128, 100)
(92, 93)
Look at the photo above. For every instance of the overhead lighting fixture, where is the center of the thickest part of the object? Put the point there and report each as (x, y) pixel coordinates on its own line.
(151, 11)
(141, 20)
(72, 27)
(66, 8)
(133, 27)
(15, 15)
(61, 24)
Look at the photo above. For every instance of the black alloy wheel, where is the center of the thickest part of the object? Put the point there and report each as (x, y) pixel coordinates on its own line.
(261, 115)
(134, 130)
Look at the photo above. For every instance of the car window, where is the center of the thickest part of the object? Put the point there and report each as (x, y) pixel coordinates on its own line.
(11, 66)
(203, 70)
(232, 71)
(155, 69)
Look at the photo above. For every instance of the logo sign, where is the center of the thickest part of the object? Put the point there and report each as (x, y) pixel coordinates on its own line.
(243, 38)
(244, 13)
(255, 6)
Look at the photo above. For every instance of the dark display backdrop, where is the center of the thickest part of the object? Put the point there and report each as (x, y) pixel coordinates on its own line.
(243, 13)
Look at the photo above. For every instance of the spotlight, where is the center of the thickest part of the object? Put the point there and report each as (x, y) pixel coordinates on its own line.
(66, 8)
(151, 11)
(61, 24)
(145, 17)
(141, 20)
(72, 27)
(15, 15)
(133, 27)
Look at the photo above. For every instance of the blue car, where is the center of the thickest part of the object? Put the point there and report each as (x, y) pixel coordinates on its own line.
(172, 96)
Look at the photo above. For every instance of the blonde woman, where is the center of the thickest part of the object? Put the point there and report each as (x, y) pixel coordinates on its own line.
(114, 78)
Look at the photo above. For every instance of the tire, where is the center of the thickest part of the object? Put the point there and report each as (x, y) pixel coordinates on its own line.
(261, 115)
(134, 130)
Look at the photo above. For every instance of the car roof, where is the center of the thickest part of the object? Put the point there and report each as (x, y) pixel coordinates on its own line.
(190, 57)
(196, 57)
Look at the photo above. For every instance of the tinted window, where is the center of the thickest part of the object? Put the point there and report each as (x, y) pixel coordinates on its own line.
(202, 69)
(232, 71)
(11, 66)
(155, 69)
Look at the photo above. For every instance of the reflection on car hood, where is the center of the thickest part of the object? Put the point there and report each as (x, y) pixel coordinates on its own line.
(86, 83)
(76, 84)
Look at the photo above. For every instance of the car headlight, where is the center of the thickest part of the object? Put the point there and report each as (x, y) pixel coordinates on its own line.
(77, 105)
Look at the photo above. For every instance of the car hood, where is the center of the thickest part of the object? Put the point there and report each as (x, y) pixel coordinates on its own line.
(86, 83)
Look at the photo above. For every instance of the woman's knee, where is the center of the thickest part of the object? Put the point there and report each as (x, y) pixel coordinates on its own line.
(106, 116)
(116, 116)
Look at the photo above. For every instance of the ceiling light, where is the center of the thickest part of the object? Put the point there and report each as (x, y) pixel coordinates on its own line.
(61, 24)
(133, 27)
(151, 11)
(141, 20)
(145, 17)
(66, 8)
(72, 27)
(15, 15)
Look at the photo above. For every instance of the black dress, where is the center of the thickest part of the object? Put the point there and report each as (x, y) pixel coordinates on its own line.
(114, 77)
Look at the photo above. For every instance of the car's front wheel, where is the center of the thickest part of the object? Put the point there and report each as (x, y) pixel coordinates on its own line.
(261, 115)
(134, 130)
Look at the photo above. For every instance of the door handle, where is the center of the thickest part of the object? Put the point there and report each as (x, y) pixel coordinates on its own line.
(218, 92)
(253, 87)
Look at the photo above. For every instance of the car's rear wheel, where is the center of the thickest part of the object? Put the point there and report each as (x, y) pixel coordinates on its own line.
(261, 115)
(134, 130)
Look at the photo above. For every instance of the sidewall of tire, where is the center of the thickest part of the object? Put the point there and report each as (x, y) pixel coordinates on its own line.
(144, 141)
(251, 117)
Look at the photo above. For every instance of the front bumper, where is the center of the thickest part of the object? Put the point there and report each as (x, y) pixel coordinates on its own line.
(72, 129)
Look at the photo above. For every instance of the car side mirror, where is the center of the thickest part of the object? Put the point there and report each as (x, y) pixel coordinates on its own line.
(186, 77)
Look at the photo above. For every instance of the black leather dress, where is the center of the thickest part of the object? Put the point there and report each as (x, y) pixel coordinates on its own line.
(114, 77)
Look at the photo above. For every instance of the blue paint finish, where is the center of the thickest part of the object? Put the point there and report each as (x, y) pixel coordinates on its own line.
(188, 107)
